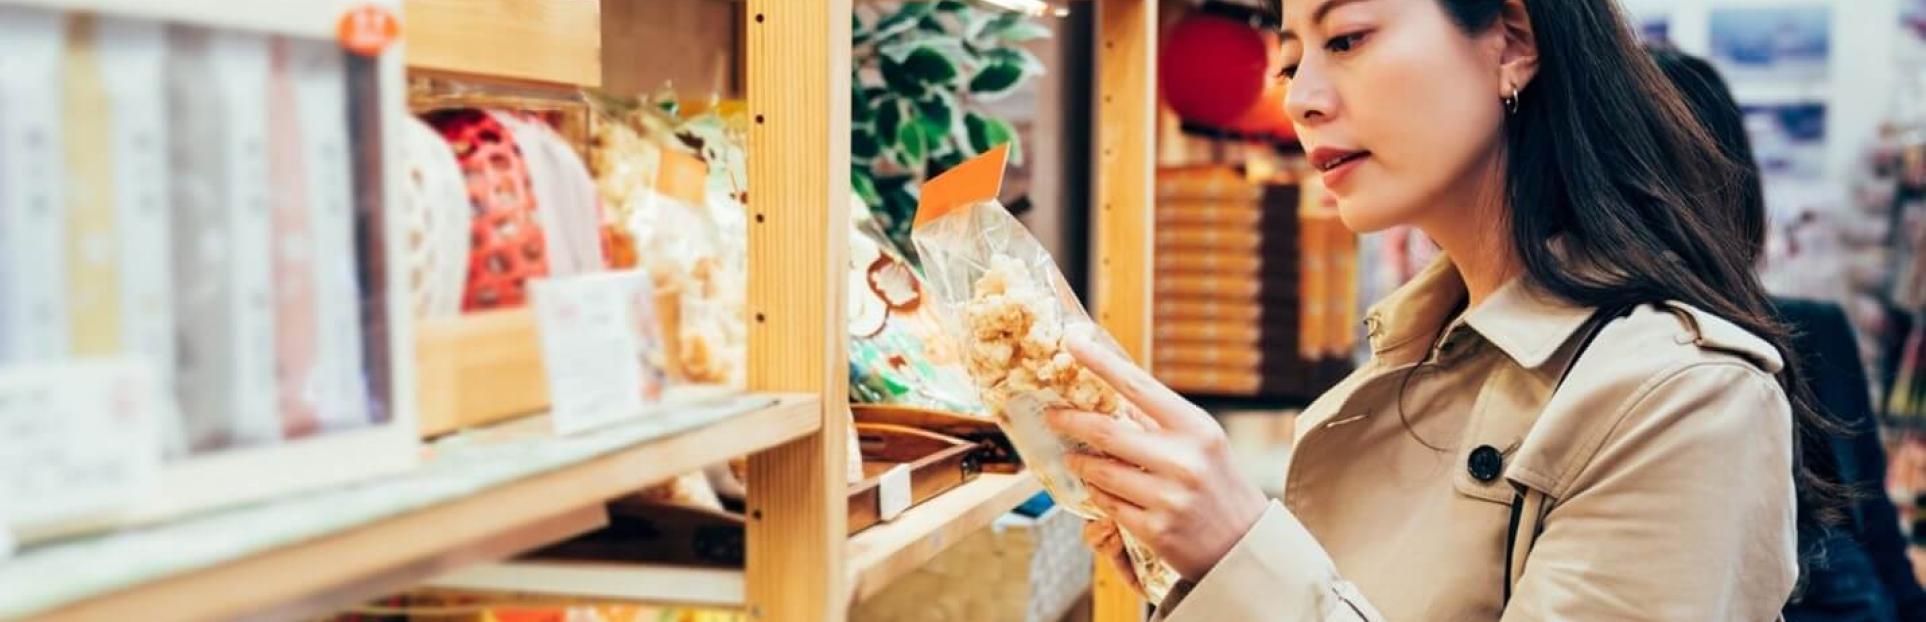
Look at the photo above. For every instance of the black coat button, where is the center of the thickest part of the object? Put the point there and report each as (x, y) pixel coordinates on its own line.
(1485, 463)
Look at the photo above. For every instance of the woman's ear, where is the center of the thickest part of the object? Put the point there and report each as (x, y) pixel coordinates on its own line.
(1518, 62)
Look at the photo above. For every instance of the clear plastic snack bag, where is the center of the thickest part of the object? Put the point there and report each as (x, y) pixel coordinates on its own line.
(1001, 295)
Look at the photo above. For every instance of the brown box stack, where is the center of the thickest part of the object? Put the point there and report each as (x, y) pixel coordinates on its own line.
(1249, 292)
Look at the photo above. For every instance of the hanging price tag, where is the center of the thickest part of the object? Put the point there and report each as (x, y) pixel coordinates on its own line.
(600, 345)
(82, 439)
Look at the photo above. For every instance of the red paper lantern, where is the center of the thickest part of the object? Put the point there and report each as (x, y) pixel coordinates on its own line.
(1213, 69)
(1267, 115)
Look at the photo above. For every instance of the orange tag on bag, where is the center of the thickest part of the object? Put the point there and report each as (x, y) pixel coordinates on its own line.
(974, 181)
(367, 30)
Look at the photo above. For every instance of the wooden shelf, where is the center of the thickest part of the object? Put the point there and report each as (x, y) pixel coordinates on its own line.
(877, 556)
(555, 41)
(887, 551)
(646, 583)
(479, 496)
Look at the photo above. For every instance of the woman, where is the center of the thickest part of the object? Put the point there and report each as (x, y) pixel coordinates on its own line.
(1858, 568)
(1579, 413)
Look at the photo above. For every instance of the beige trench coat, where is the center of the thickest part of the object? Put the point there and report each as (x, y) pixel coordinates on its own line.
(1658, 477)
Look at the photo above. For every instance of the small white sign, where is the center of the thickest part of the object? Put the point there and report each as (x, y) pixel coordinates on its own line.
(81, 439)
(893, 492)
(600, 345)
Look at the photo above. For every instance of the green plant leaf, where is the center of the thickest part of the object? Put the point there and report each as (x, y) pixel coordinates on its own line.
(863, 145)
(931, 66)
(913, 144)
(937, 112)
(1032, 66)
(900, 79)
(889, 121)
(995, 80)
(1020, 31)
(952, 6)
(903, 20)
(859, 110)
(950, 48)
(864, 187)
(986, 132)
(984, 27)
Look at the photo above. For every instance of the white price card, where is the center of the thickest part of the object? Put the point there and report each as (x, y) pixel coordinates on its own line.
(78, 440)
(893, 492)
(601, 347)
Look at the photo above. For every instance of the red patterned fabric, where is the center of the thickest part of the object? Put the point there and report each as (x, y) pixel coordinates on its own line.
(508, 247)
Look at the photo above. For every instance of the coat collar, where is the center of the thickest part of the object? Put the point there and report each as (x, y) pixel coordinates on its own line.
(1525, 323)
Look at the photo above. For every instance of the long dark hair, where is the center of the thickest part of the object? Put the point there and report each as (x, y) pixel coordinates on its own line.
(1710, 99)
(1604, 157)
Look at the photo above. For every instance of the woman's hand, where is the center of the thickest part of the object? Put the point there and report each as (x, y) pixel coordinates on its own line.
(1172, 485)
(1103, 537)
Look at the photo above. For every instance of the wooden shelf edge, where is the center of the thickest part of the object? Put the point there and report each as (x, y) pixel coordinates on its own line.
(646, 583)
(887, 551)
(342, 567)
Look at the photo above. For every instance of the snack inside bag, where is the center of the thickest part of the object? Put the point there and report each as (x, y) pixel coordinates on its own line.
(1000, 295)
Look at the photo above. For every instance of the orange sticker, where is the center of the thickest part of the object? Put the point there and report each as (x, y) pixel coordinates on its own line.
(974, 181)
(367, 30)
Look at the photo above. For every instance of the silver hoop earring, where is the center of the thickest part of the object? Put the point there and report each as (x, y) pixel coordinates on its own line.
(1511, 103)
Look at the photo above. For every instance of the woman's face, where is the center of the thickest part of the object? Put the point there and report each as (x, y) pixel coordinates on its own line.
(1396, 104)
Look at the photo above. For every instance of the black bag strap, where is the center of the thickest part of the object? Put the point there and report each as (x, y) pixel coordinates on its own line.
(1589, 331)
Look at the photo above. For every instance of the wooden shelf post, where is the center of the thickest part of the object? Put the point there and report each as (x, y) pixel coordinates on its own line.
(798, 91)
(1126, 171)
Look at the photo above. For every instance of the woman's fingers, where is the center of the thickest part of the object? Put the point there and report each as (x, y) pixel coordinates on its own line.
(1103, 537)
(1164, 406)
(1128, 516)
(1124, 481)
(1111, 436)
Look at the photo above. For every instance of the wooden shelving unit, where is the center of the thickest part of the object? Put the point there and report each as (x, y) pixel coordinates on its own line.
(481, 496)
(801, 566)
(885, 552)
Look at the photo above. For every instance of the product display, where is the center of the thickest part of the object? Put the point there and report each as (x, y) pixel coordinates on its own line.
(509, 245)
(1003, 297)
(280, 280)
(565, 196)
(898, 351)
(223, 231)
(435, 207)
(32, 182)
(675, 186)
(192, 244)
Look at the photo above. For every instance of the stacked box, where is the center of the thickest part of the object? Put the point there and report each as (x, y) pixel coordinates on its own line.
(1249, 287)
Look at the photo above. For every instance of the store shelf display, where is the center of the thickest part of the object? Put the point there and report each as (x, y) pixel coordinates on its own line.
(193, 198)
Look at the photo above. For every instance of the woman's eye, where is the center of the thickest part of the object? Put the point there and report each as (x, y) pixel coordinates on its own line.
(1288, 72)
(1344, 43)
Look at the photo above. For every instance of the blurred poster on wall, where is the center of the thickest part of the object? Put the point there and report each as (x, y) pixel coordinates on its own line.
(1788, 139)
(1772, 43)
(1655, 30)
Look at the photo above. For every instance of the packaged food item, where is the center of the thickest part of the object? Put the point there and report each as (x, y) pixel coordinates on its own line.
(434, 203)
(565, 196)
(1001, 295)
(217, 87)
(509, 243)
(898, 350)
(93, 250)
(676, 188)
(33, 266)
(131, 54)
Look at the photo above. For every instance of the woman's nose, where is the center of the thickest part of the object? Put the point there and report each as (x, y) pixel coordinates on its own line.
(1310, 99)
